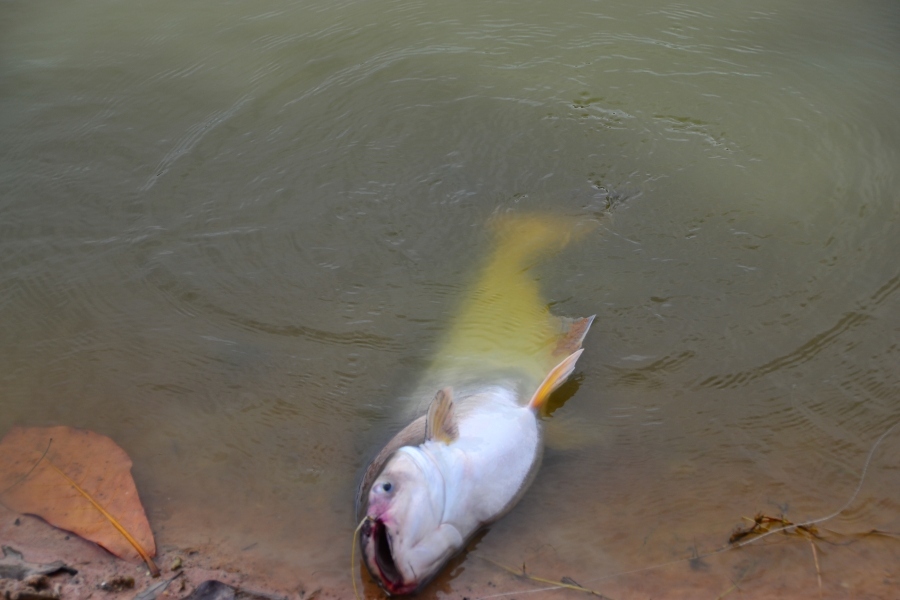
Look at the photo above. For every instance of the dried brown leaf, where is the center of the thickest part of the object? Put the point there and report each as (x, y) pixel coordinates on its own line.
(79, 481)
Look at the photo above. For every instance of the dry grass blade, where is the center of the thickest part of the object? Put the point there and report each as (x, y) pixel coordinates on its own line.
(560, 584)
(353, 555)
(736, 583)
(818, 570)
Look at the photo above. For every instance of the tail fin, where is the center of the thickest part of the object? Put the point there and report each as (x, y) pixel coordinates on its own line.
(504, 322)
(521, 239)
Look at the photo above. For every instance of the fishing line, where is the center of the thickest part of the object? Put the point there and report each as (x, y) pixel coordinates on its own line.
(353, 554)
(859, 485)
(842, 508)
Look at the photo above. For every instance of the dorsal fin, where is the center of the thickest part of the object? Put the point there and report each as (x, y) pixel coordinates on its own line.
(555, 378)
(440, 422)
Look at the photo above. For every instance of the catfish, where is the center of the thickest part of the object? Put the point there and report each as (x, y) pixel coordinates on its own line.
(469, 459)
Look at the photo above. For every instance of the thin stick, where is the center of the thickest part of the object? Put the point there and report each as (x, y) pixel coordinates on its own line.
(559, 584)
(816, 558)
(353, 555)
(726, 592)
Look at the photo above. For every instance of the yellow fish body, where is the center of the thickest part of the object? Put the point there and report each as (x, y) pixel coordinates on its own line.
(469, 459)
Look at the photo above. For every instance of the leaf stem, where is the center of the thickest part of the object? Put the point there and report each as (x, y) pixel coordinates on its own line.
(154, 570)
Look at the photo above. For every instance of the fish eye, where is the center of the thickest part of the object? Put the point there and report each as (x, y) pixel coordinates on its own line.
(387, 486)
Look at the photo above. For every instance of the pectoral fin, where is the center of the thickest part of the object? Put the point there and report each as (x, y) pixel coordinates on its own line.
(440, 422)
(555, 378)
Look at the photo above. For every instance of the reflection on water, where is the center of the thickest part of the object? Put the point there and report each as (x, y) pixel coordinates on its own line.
(231, 235)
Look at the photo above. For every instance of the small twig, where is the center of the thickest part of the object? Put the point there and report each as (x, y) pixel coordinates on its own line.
(736, 585)
(728, 591)
(560, 584)
(818, 571)
(152, 592)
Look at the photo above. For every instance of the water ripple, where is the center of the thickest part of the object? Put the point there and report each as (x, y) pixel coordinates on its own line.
(812, 347)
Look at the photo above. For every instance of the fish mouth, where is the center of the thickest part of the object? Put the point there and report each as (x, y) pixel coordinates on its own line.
(379, 558)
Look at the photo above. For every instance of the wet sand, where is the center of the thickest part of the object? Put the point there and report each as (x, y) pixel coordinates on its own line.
(784, 566)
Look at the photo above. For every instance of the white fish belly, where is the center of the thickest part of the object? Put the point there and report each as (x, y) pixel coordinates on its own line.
(488, 467)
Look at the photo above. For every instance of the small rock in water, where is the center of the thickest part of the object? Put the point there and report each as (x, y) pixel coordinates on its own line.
(37, 582)
(212, 590)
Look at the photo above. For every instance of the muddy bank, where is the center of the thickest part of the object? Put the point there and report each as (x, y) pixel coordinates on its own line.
(848, 567)
(98, 574)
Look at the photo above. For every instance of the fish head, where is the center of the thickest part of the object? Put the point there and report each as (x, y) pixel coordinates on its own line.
(404, 539)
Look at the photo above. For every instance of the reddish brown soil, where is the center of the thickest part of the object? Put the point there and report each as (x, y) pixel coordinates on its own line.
(97, 569)
(865, 567)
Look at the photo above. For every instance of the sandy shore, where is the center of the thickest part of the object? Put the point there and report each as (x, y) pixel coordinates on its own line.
(866, 569)
(102, 575)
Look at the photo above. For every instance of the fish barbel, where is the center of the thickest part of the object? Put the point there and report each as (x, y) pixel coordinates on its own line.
(467, 461)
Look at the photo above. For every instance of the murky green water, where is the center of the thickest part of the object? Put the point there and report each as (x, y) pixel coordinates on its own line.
(230, 235)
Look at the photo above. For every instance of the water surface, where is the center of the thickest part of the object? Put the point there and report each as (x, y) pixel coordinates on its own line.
(230, 235)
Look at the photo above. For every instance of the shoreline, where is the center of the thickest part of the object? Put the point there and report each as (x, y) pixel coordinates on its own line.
(103, 575)
(782, 568)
